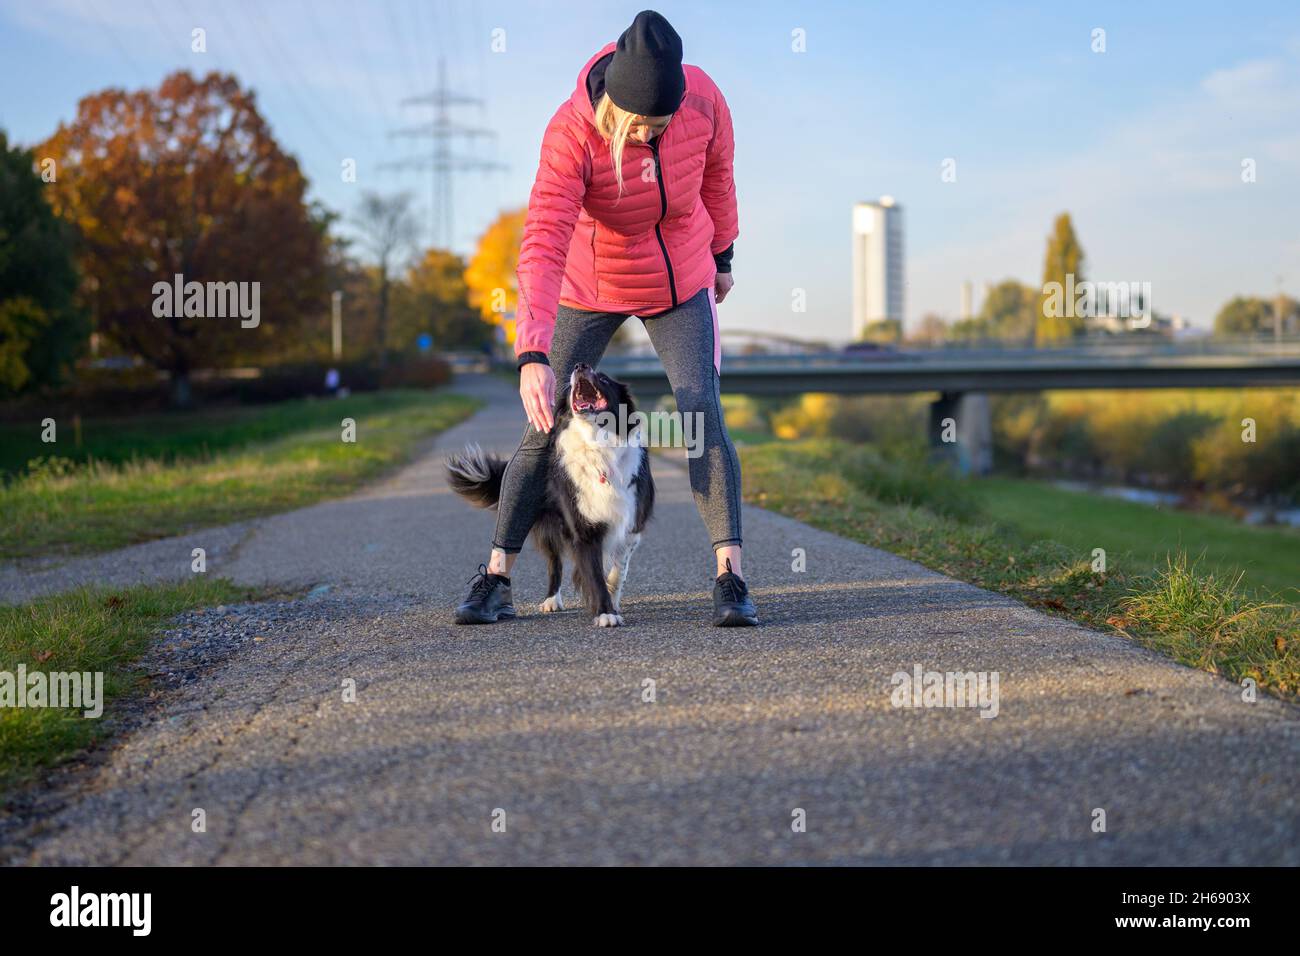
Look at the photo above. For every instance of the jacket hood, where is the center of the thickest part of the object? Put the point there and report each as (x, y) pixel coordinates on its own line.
(580, 101)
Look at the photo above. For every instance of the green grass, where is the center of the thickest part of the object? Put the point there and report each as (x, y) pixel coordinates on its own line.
(905, 506)
(1268, 559)
(286, 456)
(748, 436)
(87, 630)
(179, 435)
(1206, 622)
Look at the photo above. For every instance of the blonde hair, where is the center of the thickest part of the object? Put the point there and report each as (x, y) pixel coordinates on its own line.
(615, 123)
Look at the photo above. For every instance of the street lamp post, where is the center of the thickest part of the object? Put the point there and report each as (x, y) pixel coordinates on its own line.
(336, 303)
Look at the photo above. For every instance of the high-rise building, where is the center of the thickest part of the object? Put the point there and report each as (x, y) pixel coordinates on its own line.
(878, 273)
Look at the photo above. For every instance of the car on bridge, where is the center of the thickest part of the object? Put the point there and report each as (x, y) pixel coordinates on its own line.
(871, 350)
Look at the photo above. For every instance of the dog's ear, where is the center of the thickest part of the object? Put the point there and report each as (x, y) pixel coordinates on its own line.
(625, 397)
(621, 398)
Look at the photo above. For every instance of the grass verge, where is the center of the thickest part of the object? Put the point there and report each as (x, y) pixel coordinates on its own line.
(902, 504)
(87, 630)
(69, 508)
(183, 434)
(1267, 559)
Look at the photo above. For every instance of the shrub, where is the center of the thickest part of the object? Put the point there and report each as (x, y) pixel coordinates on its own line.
(424, 372)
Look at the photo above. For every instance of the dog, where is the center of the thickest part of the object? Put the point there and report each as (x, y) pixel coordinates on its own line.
(599, 491)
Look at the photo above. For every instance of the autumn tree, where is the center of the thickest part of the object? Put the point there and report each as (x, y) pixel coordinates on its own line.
(41, 329)
(493, 288)
(1010, 312)
(1057, 321)
(434, 299)
(388, 230)
(882, 331)
(187, 180)
(1251, 316)
(931, 330)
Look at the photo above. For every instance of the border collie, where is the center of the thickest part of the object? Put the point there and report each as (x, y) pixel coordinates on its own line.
(599, 492)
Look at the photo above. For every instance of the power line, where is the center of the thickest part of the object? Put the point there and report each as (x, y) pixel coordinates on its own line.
(121, 49)
(426, 67)
(480, 45)
(441, 161)
(328, 50)
(400, 39)
(367, 30)
(168, 39)
(226, 44)
(476, 40)
(287, 68)
(435, 26)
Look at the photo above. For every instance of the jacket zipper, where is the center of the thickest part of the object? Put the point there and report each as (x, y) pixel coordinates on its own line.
(663, 212)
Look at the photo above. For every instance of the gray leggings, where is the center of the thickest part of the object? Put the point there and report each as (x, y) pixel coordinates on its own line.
(685, 339)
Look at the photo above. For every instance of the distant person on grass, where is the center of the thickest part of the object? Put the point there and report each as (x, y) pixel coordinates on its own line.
(633, 212)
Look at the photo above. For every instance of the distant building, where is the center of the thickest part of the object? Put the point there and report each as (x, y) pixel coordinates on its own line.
(878, 272)
(1171, 326)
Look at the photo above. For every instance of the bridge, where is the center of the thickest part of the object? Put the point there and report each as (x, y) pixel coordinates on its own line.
(963, 377)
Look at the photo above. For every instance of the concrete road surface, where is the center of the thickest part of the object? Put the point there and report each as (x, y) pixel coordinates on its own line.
(535, 741)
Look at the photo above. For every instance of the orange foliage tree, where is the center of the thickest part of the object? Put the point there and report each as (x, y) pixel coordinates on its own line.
(493, 289)
(187, 180)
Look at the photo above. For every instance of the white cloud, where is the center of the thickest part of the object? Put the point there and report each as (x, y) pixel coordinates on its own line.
(1246, 83)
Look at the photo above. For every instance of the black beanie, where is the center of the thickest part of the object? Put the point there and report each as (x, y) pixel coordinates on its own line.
(645, 75)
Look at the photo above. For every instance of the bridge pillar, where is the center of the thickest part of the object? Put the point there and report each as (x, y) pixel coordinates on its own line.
(961, 431)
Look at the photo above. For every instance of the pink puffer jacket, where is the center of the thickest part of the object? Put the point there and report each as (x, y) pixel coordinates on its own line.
(648, 251)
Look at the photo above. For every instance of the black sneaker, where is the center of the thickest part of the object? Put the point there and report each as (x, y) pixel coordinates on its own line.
(488, 600)
(732, 606)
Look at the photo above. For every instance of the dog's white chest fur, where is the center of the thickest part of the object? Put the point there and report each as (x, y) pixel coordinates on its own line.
(588, 458)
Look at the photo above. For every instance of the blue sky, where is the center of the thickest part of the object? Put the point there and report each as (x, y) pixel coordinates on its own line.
(1142, 144)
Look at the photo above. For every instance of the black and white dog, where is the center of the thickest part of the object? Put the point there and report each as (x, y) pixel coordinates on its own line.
(599, 492)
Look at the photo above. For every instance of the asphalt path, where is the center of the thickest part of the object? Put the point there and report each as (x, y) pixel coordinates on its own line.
(545, 740)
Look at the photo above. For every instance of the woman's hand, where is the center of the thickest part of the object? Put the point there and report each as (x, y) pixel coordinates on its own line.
(537, 389)
(722, 285)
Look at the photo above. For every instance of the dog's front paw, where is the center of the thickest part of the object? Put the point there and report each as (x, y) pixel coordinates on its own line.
(552, 603)
(608, 620)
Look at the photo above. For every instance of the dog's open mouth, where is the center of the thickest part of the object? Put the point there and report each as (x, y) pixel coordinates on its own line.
(586, 397)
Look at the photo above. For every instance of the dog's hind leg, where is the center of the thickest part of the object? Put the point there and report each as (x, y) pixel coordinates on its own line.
(617, 575)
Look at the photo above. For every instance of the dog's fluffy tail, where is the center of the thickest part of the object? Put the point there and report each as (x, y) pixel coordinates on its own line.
(476, 476)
